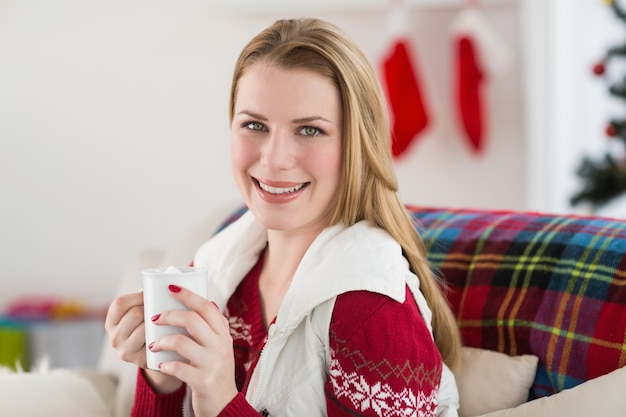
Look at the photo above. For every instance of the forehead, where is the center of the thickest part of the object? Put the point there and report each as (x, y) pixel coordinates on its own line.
(266, 87)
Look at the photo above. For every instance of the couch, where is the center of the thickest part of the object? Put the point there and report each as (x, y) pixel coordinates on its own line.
(540, 300)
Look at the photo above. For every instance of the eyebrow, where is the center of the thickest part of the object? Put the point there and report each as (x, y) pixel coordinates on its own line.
(310, 119)
(301, 120)
(252, 114)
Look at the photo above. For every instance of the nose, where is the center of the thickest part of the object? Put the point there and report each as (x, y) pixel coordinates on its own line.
(278, 151)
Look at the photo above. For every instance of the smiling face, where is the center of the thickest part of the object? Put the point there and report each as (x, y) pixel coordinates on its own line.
(286, 140)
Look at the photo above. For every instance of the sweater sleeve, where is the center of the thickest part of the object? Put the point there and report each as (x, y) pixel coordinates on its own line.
(238, 407)
(149, 403)
(383, 360)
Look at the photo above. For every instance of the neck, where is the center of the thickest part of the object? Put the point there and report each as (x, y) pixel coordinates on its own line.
(284, 253)
(282, 257)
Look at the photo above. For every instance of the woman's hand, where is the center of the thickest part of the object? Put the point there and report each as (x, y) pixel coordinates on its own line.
(126, 329)
(209, 349)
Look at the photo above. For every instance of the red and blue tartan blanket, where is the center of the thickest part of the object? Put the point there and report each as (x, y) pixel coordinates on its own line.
(529, 283)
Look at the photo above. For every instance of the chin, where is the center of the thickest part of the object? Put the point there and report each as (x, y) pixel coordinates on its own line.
(274, 222)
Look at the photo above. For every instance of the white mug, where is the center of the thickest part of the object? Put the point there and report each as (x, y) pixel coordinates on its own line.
(158, 299)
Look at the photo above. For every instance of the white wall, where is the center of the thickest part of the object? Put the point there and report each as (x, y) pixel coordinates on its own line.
(114, 136)
(566, 107)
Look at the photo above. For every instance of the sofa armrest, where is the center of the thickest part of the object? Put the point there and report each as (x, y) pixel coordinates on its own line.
(58, 393)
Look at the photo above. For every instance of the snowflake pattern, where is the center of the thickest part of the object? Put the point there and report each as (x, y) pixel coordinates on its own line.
(239, 329)
(379, 397)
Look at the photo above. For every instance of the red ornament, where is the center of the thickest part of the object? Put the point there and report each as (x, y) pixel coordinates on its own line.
(611, 131)
(599, 68)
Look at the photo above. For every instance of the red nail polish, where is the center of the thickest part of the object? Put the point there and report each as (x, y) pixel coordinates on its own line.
(160, 365)
(174, 288)
(215, 305)
(150, 345)
(155, 317)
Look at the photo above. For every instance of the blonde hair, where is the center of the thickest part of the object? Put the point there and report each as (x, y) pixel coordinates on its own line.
(369, 187)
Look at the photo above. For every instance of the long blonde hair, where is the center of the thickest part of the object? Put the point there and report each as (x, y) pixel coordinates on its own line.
(369, 187)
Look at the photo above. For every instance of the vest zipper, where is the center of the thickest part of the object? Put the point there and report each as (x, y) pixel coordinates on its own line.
(260, 365)
(260, 382)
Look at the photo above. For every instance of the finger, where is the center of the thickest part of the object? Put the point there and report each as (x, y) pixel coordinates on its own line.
(181, 370)
(215, 389)
(120, 306)
(206, 309)
(137, 339)
(197, 328)
(128, 337)
(181, 344)
(134, 348)
(129, 322)
(190, 374)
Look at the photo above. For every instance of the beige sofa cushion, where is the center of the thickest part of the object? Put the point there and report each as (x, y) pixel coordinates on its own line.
(603, 396)
(490, 381)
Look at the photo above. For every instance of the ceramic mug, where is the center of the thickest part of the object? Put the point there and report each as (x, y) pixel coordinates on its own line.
(158, 299)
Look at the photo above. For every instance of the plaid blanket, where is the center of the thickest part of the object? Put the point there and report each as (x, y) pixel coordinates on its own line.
(553, 286)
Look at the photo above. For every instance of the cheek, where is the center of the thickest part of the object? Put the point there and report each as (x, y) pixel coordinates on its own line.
(239, 154)
(239, 162)
(327, 163)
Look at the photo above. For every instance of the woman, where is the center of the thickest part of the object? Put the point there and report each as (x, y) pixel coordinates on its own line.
(321, 299)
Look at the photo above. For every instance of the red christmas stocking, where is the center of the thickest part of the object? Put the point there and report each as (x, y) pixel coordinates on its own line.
(408, 112)
(469, 78)
(480, 54)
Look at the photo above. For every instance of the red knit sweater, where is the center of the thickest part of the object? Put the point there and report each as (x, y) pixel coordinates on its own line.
(383, 361)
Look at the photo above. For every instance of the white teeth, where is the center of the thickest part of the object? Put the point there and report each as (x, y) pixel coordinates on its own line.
(278, 190)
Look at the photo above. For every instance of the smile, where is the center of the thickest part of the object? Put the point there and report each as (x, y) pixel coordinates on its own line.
(281, 190)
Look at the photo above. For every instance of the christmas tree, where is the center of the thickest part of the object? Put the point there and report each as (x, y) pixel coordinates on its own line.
(605, 179)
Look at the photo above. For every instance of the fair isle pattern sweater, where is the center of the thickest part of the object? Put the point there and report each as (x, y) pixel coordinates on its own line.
(383, 361)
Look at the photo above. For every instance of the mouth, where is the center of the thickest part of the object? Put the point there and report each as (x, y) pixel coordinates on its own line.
(280, 190)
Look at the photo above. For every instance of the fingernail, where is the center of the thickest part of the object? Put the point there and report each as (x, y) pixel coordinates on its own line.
(155, 317)
(150, 345)
(160, 365)
(174, 288)
(215, 305)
